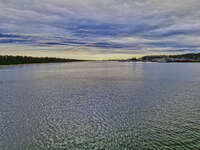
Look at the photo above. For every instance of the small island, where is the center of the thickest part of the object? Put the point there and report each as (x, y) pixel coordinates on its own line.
(14, 60)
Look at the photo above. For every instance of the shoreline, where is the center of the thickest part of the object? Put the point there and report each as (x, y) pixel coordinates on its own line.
(26, 60)
(22, 60)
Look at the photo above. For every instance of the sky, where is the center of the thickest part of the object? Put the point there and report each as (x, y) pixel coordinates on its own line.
(96, 29)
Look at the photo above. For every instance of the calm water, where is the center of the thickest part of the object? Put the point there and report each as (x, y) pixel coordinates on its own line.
(100, 105)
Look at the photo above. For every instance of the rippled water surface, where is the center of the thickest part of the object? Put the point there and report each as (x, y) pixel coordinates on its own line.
(100, 105)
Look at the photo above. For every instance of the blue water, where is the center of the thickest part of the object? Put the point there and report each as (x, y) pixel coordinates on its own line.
(100, 105)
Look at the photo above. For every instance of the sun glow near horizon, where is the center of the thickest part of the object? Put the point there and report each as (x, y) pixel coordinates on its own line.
(80, 53)
(69, 53)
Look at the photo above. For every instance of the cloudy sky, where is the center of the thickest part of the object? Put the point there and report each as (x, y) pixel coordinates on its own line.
(96, 29)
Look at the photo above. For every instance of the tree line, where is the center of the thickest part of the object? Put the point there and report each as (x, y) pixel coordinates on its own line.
(189, 56)
(9, 60)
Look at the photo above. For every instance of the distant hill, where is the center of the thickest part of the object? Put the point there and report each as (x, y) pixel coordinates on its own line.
(191, 57)
(11, 60)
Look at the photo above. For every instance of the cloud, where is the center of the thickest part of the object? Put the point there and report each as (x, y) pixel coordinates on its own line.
(137, 26)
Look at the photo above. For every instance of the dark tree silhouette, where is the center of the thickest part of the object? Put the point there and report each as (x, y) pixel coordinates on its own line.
(9, 60)
(191, 57)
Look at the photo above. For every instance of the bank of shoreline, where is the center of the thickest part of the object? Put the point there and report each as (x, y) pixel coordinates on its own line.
(181, 58)
(21, 60)
(24, 60)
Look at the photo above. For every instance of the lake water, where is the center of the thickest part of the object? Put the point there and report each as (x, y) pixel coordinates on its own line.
(100, 105)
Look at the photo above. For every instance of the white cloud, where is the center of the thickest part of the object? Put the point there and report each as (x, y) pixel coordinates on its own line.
(54, 18)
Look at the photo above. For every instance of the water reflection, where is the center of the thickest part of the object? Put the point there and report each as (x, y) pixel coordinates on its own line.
(95, 105)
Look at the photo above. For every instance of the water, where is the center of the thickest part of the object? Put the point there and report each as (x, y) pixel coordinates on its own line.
(100, 105)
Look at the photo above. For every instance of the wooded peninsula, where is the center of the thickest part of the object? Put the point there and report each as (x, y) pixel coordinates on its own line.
(184, 58)
(13, 60)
